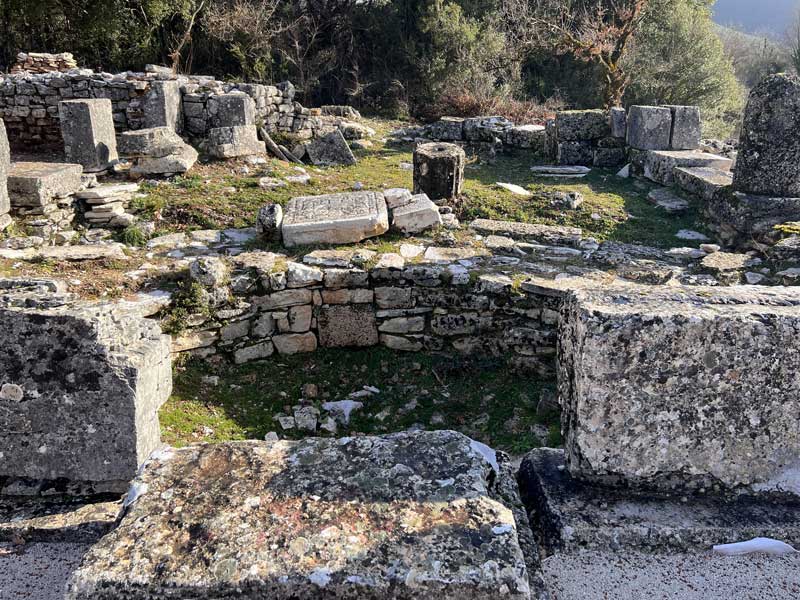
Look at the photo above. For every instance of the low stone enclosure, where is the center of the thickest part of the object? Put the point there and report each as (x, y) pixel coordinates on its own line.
(677, 377)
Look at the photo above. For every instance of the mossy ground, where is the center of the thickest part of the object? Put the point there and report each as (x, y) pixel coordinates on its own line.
(481, 398)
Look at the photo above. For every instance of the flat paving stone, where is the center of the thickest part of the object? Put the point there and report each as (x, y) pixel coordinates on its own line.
(418, 515)
(557, 235)
(32, 184)
(334, 218)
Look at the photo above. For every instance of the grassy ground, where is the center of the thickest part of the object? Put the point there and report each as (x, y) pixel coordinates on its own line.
(218, 195)
(482, 399)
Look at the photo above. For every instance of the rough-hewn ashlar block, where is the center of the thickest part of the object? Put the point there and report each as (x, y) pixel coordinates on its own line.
(80, 387)
(87, 127)
(682, 387)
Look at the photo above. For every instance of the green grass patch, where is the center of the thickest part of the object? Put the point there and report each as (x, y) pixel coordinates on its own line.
(484, 399)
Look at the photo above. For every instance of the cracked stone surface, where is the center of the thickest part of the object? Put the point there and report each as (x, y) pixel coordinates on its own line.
(409, 515)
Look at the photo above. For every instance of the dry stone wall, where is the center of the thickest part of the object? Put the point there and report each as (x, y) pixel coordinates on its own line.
(29, 103)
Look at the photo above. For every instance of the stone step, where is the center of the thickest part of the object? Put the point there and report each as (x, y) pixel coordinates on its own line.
(658, 165)
(702, 182)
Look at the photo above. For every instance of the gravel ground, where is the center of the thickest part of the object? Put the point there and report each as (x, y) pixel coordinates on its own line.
(39, 572)
(634, 576)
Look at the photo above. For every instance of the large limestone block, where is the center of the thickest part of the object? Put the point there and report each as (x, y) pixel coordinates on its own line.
(179, 160)
(687, 388)
(582, 125)
(232, 142)
(686, 127)
(768, 162)
(163, 105)
(439, 170)
(232, 110)
(153, 141)
(660, 165)
(330, 150)
(405, 516)
(334, 218)
(80, 387)
(347, 325)
(649, 127)
(740, 219)
(32, 184)
(702, 182)
(87, 127)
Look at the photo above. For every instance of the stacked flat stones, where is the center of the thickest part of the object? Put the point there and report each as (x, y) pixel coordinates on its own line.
(494, 131)
(42, 62)
(106, 205)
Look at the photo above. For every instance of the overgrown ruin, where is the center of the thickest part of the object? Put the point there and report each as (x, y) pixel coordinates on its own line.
(676, 367)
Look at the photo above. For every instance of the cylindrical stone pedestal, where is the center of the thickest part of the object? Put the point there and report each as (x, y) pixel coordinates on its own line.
(439, 170)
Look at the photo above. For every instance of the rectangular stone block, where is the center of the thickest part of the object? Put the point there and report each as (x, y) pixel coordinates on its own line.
(231, 142)
(87, 127)
(403, 516)
(686, 128)
(575, 153)
(619, 122)
(334, 218)
(34, 184)
(682, 388)
(347, 325)
(163, 106)
(232, 110)
(418, 214)
(659, 165)
(649, 127)
(582, 125)
(80, 387)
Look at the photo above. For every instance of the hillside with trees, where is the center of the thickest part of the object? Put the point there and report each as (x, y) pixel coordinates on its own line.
(418, 57)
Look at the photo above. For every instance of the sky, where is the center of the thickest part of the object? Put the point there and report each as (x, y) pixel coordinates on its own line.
(756, 16)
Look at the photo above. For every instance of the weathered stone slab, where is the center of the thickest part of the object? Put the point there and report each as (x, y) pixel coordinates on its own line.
(702, 182)
(574, 515)
(659, 165)
(232, 142)
(768, 163)
(686, 127)
(153, 141)
(32, 184)
(403, 516)
(334, 218)
(347, 325)
(5, 165)
(87, 127)
(80, 387)
(330, 150)
(180, 159)
(582, 125)
(739, 218)
(163, 105)
(649, 127)
(668, 200)
(558, 235)
(692, 388)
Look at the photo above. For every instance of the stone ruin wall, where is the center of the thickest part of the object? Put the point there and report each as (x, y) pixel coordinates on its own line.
(276, 309)
(29, 103)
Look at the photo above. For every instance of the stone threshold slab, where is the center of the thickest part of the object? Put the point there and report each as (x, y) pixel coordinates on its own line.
(571, 516)
(403, 516)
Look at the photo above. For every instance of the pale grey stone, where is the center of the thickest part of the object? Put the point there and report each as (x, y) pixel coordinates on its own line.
(649, 127)
(330, 150)
(87, 127)
(32, 184)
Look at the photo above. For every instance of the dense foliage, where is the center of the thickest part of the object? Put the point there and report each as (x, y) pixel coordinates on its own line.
(422, 56)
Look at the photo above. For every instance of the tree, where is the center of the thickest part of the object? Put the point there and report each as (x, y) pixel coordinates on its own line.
(678, 58)
(593, 31)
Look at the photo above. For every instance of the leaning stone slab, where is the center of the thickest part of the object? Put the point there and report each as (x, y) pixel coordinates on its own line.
(659, 165)
(702, 182)
(647, 403)
(81, 416)
(87, 127)
(33, 184)
(649, 127)
(404, 516)
(768, 161)
(334, 218)
(330, 150)
(557, 235)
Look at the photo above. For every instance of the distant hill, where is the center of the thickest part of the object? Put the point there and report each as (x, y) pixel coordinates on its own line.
(756, 16)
